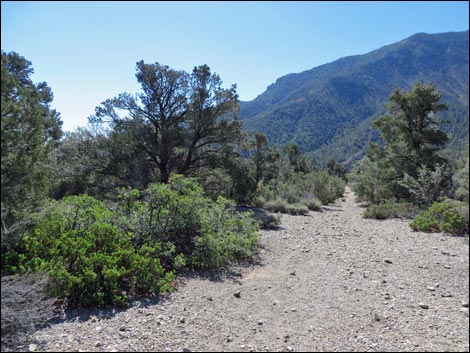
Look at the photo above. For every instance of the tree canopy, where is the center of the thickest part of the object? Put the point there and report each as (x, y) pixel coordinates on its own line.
(180, 121)
(408, 166)
(29, 129)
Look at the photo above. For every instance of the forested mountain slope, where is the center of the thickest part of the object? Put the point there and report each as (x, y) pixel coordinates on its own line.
(328, 110)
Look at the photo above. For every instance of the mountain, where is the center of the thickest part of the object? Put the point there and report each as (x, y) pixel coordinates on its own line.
(328, 110)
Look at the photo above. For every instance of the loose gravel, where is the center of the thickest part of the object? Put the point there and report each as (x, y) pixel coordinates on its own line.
(329, 281)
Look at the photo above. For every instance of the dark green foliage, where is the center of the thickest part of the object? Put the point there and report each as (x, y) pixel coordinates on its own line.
(226, 236)
(89, 258)
(200, 232)
(429, 186)
(336, 169)
(29, 130)
(449, 216)
(100, 255)
(387, 210)
(408, 166)
(179, 123)
(328, 110)
(298, 162)
(366, 181)
(411, 131)
(265, 159)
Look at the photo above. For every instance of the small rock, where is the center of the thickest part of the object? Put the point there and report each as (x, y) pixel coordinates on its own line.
(260, 322)
(465, 303)
(387, 261)
(376, 317)
(210, 299)
(237, 294)
(430, 288)
(182, 320)
(98, 328)
(122, 328)
(447, 295)
(186, 350)
(32, 347)
(293, 310)
(292, 273)
(447, 266)
(423, 306)
(289, 349)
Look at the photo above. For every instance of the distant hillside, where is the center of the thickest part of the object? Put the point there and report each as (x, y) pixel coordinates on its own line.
(328, 110)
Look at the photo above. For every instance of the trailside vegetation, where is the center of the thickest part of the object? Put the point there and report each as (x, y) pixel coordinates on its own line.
(409, 168)
(159, 182)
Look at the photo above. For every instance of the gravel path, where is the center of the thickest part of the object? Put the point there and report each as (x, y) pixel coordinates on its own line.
(329, 281)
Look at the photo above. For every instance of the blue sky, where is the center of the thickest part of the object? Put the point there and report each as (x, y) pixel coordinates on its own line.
(87, 51)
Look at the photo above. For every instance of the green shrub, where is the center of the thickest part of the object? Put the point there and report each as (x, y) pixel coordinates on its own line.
(265, 220)
(277, 205)
(226, 235)
(449, 216)
(313, 204)
(184, 221)
(323, 186)
(297, 209)
(300, 193)
(98, 256)
(387, 210)
(367, 181)
(90, 260)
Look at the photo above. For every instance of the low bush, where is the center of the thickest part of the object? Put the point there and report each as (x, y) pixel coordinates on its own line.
(312, 204)
(265, 220)
(302, 192)
(277, 205)
(225, 236)
(187, 223)
(100, 255)
(387, 210)
(90, 260)
(449, 216)
(297, 209)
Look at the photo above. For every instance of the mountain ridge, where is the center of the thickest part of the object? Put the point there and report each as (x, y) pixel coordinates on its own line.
(314, 108)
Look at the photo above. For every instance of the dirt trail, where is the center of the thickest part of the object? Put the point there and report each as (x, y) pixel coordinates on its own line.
(329, 281)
